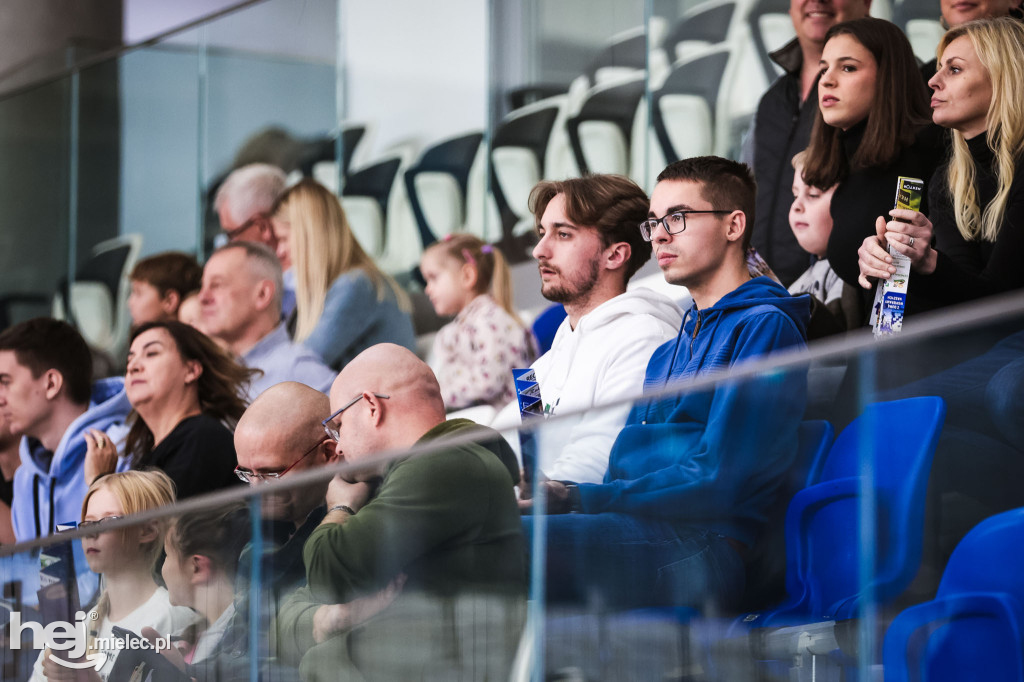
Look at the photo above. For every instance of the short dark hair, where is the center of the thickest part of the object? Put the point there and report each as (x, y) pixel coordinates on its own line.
(900, 106)
(727, 185)
(612, 204)
(170, 271)
(43, 344)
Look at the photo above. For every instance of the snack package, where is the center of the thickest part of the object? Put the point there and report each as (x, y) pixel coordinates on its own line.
(891, 294)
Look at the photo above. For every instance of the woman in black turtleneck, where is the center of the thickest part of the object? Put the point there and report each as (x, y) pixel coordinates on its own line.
(872, 126)
(977, 198)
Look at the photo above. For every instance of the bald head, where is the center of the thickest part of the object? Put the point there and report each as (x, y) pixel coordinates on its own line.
(281, 429)
(412, 407)
(392, 370)
(288, 412)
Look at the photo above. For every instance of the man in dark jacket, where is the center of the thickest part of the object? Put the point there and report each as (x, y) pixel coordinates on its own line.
(782, 128)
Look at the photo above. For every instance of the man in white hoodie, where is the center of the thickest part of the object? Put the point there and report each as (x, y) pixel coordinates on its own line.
(590, 246)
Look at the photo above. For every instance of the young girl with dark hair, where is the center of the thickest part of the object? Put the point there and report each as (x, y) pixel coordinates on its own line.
(872, 127)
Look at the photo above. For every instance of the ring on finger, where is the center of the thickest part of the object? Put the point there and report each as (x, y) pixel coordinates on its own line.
(911, 241)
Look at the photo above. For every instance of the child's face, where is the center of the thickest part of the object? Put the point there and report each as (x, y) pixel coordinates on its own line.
(447, 285)
(809, 216)
(106, 550)
(179, 586)
(145, 304)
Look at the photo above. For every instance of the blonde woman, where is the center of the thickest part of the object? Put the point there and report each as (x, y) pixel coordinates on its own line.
(344, 303)
(978, 198)
(126, 558)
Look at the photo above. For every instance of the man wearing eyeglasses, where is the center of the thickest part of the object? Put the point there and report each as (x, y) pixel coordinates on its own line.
(244, 203)
(692, 476)
(444, 517)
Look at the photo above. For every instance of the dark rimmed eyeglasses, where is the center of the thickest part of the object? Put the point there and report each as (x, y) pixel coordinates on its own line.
(233, 234)
(330, 429)
(674, 222)
(250, 476)
(92, 527)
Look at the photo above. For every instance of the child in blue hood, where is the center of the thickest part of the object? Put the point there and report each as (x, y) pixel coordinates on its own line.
(692, 475)
(46, 393)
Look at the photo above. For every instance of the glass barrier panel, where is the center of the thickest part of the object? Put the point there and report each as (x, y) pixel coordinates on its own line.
(268, 90)
(159, 185)
(808, 513)
(35, 149)
(120, 598)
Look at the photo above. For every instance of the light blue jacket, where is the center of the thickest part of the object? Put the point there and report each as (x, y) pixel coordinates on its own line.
(354, 319)
(45, 496)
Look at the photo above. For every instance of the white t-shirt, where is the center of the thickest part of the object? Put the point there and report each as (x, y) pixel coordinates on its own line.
(156, 613)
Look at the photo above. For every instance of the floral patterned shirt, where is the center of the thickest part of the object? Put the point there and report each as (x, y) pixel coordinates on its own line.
(473, 355)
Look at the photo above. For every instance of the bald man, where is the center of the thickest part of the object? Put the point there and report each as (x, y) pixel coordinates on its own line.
(281, 434)
(445, 519)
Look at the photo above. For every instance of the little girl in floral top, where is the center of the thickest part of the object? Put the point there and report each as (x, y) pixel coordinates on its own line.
(473, 355)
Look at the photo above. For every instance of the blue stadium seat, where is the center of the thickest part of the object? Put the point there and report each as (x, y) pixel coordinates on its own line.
(974, 628)
(898, 440)
(822, 523)
(546, 325)
(766, 561)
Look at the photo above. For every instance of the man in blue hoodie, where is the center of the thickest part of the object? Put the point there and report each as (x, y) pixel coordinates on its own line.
(692, 474)
(46, 394)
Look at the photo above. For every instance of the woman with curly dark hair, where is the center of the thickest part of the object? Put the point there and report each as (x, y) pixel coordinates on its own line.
(185, 392)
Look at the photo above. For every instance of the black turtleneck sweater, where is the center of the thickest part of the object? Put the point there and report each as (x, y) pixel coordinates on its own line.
(868, 193)
(967, 270)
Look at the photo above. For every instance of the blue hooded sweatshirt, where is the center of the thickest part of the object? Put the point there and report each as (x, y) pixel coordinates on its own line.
(51, 493)
(713, 459)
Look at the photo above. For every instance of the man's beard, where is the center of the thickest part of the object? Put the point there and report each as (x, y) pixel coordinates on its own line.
(572, 289)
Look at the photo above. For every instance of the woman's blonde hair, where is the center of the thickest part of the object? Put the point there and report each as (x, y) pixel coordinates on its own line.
(135, 491)
(323, 248)
(999, 44)
(492, 274)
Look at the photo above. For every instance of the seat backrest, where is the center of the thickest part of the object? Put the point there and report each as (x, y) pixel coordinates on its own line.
(625, 50)
(766, 560)
(990, 558)
(546, 324)
(703, 25)
(974, 628)
(600, 132)
(683, 112)
(100, 292)
(439, 212)
(894, 435)
(770, 28)
(888, 448)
